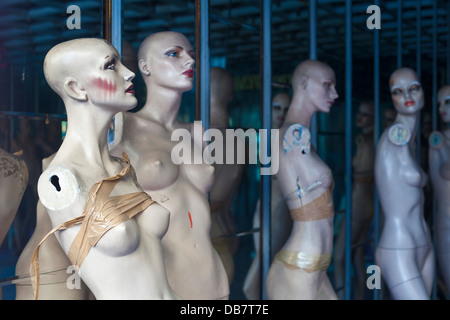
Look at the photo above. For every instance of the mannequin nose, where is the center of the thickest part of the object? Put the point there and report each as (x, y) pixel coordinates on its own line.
(190, 62)
(334, 94)
(129, 76)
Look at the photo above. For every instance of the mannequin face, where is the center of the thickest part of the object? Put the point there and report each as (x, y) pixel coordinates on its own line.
(406, 91)
(280, 105)
(364, 117)
(170, 59)
(321, 87)
(444, 103)
(106, 80)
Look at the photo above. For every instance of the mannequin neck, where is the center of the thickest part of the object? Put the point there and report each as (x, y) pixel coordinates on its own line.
(162, 106)
(409, 120)
(87, 130)
(300, 110)
(218, 116)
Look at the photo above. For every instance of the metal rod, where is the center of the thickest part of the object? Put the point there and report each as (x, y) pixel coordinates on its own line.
(116, 25)
(106, 19)
(348, 149)
(203, 62)
(376, 100)
(399, 33)
(266, 116)
(419, 74)
(313, 56)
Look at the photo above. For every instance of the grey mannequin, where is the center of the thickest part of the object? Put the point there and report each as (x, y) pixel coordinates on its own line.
(405, 252)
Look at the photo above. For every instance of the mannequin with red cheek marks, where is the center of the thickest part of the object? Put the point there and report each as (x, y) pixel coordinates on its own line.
(13, 182)
(227, 176)
(299, 270)
(362, 205)
(120, 256)
(194, 268)
(281, 221)
(405, 251)
(439, 168)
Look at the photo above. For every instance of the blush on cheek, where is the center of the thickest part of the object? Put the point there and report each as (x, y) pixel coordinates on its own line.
(106, 88)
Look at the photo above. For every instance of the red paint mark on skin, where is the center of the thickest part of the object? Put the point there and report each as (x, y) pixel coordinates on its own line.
(108, 88)
(190, 218)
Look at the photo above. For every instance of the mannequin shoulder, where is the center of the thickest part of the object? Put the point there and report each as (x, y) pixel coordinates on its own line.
(58, 187)
(296, 139)
(399, 134)
(436, 140)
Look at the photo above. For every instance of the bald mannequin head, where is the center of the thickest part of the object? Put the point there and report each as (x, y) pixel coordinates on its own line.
(221, 93)
(406, 91)
(164, 58)
(65, 60)
(313, 82)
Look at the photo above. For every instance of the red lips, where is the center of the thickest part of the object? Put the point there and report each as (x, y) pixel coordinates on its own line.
(130, 89)
(189, 73)
(409, 103)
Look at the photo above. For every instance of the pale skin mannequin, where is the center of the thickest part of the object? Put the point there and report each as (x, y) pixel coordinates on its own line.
(362, 204)
(313, 85)
(94, 85)
(194, 269)
(281, 222)
(439, 166)
(227, 177)
(405, 252)
(13, 182)
(53, 263)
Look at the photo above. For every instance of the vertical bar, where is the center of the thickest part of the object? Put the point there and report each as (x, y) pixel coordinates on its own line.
(116, 25)
(266, 77)
(419, 74)
(348, 149)
(448, 43)
(106, 20)
(434, 126)
(203, 62)
(313, 56)
(399, 33)
(376, 100)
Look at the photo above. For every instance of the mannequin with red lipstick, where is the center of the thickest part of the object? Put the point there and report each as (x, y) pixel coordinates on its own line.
(194, 269)
(117, 247)
(439, 166)
(299, 269)
(362, 204)
(405, 252)
(281, 222)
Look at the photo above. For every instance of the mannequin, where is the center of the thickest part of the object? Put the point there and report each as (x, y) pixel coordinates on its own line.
(362, 204)
(281, 222)
(104, 222)
(13, 182)
(194, 268)
(227, 177)
(53, 263)
(298, 270)
(405, 252)
(439, 153)
(389, 117)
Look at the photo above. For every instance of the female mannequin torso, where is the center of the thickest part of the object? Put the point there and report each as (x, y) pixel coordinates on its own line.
(439, 166)
(405, 252)
(85, 185)
(193, 266)
(299, 268)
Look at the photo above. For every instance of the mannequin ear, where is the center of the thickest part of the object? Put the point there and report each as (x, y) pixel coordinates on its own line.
(304, 81)
(143, 67)
(73, 90)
